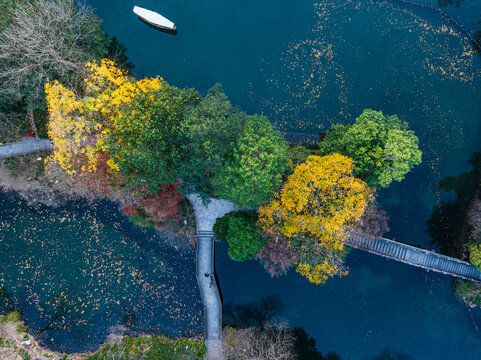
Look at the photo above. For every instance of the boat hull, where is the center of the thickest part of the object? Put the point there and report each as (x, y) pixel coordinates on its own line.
(154, 19)
(165, 29)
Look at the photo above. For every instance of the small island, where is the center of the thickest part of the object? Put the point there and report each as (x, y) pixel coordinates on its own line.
(78, 124)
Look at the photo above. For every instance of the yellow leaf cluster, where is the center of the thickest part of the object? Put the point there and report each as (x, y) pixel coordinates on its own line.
(67, 127)
(319, 199)
(319, 273)
(80, 125)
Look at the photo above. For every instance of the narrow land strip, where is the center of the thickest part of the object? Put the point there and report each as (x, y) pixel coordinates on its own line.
(206, 217)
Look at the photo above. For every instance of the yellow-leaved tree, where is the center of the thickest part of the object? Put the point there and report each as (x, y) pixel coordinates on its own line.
(80, 124)
(319, 200)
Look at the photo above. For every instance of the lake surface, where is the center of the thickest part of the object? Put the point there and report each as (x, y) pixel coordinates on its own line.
(88, 266)
(305, 65)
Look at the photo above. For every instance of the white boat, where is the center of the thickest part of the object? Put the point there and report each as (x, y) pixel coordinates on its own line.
(154, 19)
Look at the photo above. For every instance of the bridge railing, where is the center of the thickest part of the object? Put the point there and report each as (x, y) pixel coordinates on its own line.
(426, 259)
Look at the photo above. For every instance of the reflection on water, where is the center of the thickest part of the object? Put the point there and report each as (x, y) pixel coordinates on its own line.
(79, 270)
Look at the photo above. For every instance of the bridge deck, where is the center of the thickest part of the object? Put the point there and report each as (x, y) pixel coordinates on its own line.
(412, 255)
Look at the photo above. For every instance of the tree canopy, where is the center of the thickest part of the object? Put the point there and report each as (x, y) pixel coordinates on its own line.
(80, 126)
(253, 170)
(382, 147)
(319, 200)
(42, 40)
(239, 229)
(147, 134)
(208, 133)
(145, 141)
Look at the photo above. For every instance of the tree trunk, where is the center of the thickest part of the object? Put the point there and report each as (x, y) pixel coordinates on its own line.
(32, 123)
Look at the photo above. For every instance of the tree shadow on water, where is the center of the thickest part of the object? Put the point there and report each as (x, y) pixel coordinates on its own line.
(258, 313)
(264, 313)
(62, 315)
(448, 222)
(391, 355)
(7, 302)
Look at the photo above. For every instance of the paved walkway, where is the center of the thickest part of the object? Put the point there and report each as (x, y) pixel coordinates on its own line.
(206, 218)
(24, 147)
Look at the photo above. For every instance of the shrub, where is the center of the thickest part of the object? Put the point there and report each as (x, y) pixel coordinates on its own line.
(21, 328)
(162, 206)
(469, 292)
(158, 347)
(241, 232)
(155, 209)
(24, 354)
(139, 218)
(13, 316)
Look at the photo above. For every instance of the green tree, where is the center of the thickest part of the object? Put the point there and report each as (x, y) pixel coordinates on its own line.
(145, 141)
(382, 147)
(253, 170)
(208, 133)
(239, 229)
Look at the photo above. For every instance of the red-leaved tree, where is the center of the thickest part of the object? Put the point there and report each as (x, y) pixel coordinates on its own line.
(157, 208)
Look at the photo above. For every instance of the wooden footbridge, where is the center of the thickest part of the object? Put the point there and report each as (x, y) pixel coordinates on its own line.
(408, 254)
(395, 250)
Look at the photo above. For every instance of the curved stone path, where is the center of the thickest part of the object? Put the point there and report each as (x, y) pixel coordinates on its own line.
(206, 217)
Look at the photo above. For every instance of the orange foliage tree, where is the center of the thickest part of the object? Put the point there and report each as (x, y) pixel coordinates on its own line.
(318, 201)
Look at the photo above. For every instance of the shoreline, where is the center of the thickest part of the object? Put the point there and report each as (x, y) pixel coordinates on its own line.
(12, 330)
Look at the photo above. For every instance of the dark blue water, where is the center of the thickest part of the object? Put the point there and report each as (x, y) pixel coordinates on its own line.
(308, 65)
(86, 265)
